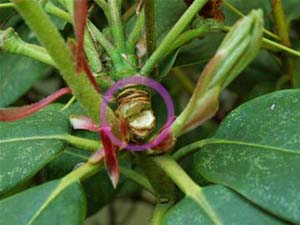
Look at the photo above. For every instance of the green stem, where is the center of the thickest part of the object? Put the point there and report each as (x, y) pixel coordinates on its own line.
(89, 46)
(54, 10)
(177, 29)
(280, 21)
(272, 45)
(50, 38)
(149, 9)
(283, 31)
(104, 6)
(69, 103)
(123, 67)
(186, 185)
(116, 25)
(239, 13)
(184, 80)
(109, 48)
(233, 8)
(159, 212)
(280, 47)
(11, 42)
(136, 32)
(187, 37)
(92, 53)
(163, 186)
(129, 13)
(82, 173)
(83, 143)
(6, 5)
(177, 174)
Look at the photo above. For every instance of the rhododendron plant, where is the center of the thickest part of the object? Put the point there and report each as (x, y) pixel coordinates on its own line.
(194, 104)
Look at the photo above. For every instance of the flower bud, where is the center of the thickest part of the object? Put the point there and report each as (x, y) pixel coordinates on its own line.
(239, 47)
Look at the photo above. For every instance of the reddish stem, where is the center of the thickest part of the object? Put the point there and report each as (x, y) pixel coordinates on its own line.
(16, 113)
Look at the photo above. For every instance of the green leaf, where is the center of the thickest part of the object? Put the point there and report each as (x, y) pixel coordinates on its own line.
(167, 65)
(199, 52)
(231, 17)
(258, 153)
(292, 9)
(28, 144)
(98, 188)
(229, 208)
(51, 203)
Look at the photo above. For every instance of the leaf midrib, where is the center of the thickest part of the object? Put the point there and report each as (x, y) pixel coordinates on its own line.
(51, 197)
(32, 138)
(250, 144)
(213, 141)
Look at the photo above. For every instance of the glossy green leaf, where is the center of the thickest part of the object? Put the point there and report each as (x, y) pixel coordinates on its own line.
(98, 188)
(47, 204)
(229, 208)
(28, 144)
(17, 75)
(259, 153)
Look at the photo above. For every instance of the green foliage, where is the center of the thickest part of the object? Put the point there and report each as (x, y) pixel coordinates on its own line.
(17, 73)
(230, 208)
(258, 155)
(49, 203)
(246, 165)
(28, 145)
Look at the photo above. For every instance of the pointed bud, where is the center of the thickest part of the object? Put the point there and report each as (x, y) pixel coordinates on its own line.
(238, 49)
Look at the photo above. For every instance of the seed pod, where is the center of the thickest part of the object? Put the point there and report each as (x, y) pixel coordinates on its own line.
(134, 106)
